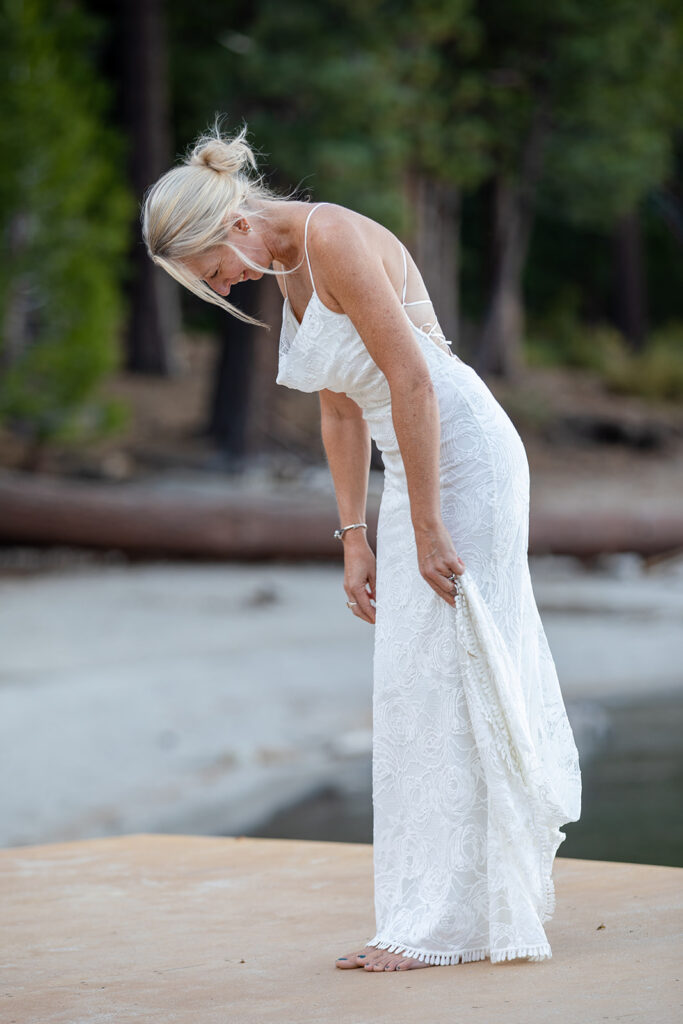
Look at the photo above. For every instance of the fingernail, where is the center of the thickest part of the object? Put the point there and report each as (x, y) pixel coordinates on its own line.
(361, 956)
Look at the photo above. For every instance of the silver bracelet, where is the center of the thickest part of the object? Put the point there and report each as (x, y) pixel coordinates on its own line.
(339, 534)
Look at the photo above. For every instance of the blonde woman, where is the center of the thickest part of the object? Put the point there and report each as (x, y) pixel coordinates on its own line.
(474, 761)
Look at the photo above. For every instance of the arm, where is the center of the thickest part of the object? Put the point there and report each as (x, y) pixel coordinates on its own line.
(346, 439)
(356, 279)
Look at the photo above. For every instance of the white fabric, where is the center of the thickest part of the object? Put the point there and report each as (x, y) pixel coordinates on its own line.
(474, 762)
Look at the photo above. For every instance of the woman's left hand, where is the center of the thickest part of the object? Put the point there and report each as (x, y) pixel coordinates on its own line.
(438, 559)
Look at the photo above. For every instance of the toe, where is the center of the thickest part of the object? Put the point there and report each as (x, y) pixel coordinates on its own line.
(361, 958)
(350, 960)
(345, 962)
(415, 964)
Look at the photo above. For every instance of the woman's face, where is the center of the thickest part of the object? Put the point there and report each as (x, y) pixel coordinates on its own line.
(221, 268)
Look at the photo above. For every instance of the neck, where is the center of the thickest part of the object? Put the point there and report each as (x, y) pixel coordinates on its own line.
(282, 229)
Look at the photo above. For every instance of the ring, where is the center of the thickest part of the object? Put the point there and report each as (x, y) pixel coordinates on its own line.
(349, 603)
(453, 578)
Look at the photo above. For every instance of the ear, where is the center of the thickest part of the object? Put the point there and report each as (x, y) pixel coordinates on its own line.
(241, 224)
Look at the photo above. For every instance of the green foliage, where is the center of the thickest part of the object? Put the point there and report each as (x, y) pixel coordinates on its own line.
(615, 108)
(65, 218)
(561, 339)
(655, 373)
(346, 96)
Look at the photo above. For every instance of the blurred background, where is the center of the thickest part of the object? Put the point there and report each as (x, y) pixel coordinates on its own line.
(175, 650)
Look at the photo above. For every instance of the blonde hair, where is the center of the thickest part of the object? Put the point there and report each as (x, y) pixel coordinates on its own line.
(190, 209)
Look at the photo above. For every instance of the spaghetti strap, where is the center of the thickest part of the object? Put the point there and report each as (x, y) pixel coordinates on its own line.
(434, 332)
(306, 242)
(417, 302)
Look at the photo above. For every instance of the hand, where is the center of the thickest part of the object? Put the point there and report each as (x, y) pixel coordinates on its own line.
(359, 574)
(438, 559)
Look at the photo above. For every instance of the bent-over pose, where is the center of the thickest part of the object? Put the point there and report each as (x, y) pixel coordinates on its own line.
(474, 762)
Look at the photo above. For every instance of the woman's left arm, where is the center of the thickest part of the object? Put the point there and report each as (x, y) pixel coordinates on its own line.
(358, 281)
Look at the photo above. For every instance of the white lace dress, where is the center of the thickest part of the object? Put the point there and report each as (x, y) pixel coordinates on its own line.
(474, 762)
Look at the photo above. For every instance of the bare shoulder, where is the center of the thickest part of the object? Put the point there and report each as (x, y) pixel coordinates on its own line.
(333, 228)
(341, 240)
(358, 271)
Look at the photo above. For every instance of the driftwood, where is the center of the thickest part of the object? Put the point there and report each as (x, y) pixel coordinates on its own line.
(598, 532)
(152, 520)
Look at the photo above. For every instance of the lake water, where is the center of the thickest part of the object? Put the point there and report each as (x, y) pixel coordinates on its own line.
(223, 699)
(632, 799)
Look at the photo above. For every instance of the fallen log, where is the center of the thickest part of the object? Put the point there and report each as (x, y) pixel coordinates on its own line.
(585, 534)
(149, 519)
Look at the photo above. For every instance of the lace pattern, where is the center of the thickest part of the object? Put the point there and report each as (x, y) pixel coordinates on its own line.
(474, 762)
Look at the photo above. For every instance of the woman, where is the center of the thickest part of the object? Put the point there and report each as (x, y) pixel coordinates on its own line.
(474, 761)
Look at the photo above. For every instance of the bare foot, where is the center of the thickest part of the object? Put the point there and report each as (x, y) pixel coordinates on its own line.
(372, 959)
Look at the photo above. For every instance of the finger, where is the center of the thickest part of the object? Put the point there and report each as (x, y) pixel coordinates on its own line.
(361, 615)
(440, 582)
(449, 565)
(446, 572)
(448, 598)
(361, 595)
(441, 586)
(357, 608)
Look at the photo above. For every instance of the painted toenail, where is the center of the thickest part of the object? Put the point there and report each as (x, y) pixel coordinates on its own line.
(341, 958)
(361, 956)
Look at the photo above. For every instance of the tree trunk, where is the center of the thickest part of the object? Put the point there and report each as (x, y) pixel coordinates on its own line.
(500, 345)
(154, 301)
(435, 208)
(15, 332)
(261, 420)
(630, 301)
(227, 421)
(500, 349)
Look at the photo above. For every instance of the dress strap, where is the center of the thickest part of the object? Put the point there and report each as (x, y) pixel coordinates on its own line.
(417, 302)
(306, 241)
(434, 333)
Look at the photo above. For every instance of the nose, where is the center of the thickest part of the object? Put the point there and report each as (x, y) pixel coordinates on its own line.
(222, 287)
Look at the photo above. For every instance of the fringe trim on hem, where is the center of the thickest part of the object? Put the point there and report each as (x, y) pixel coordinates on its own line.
(536, 953)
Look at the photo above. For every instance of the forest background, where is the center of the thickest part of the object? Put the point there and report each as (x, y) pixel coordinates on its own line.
(528, 154)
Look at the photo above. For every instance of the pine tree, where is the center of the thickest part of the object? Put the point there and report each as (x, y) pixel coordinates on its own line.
(64, 215)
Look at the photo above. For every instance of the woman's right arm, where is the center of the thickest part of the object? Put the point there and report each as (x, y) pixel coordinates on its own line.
(346, 439)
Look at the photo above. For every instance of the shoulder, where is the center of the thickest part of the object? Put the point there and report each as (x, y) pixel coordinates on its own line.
(345, 248)
(334, 229)
(349, 254)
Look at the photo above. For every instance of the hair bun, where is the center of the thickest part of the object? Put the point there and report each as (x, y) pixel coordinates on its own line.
(224, 156)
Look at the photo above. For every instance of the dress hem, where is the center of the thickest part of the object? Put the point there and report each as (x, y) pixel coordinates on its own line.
(535, 953)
